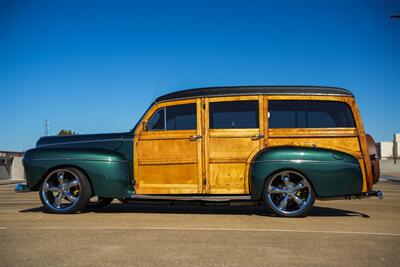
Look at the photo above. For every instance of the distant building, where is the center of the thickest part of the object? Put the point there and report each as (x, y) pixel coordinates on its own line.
(390, 149)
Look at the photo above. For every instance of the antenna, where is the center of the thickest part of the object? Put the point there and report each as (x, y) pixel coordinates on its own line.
(46, 127)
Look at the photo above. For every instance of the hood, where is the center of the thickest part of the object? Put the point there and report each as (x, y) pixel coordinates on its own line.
(110, 141)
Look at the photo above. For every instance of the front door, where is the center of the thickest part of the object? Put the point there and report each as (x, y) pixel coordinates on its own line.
(168, 149)
(233, 135)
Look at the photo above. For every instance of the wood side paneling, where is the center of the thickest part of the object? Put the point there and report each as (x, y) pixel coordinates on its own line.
(168, 162)
(228, 151)
(349, 140)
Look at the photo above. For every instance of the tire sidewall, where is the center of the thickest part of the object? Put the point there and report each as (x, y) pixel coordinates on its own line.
(271, 207)
(85, 194)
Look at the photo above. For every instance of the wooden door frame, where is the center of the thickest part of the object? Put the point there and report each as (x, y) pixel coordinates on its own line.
(160, 134)
(236, 132)
(362, 156)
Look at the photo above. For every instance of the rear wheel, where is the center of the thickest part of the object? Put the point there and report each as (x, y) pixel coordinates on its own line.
(65, 190)
(289, 194)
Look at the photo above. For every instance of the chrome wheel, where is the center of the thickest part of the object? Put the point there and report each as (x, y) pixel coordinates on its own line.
(289, 193)
(61, 190)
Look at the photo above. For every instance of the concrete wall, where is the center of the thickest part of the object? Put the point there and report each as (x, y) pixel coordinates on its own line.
(11, 167)
(17, 169)
(4, 174)
(389, 167)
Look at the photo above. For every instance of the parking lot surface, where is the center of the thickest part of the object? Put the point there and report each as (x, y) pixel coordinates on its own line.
(336, 233)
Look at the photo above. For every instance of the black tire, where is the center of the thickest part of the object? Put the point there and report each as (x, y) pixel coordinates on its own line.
(84, 190)
(124, 200)
(273, 198)
(101, 202)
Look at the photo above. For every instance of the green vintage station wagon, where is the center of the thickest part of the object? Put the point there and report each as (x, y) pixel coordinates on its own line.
(284, 146)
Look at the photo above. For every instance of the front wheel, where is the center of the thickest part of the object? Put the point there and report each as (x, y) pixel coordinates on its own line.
(289, 194)
(65, 190)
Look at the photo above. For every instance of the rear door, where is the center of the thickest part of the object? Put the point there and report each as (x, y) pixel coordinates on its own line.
(233, 132)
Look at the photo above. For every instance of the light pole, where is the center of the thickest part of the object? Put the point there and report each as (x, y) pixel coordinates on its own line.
(46, 127)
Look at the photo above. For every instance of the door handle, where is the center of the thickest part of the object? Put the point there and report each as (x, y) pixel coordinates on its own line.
(257, 137)
(194, 137)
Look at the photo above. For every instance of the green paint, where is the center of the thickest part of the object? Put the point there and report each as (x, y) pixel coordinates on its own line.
(331, 173)
(106, 160)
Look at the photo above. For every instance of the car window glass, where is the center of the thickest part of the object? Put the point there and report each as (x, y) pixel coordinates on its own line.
(157, 120)
(234, 114)
(181, 117)
(309, 114)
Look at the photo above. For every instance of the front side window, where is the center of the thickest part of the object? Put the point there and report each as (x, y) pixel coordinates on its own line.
(180, 117)
(234, 115)
(309, 114)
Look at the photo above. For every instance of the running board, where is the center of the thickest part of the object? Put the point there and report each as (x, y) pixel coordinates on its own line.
(191, 198)
(371, 193)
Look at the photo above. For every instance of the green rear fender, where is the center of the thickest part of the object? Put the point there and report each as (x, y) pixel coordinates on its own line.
(107, 171)
(331, 173)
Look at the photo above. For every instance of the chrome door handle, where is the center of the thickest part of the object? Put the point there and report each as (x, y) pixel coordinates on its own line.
(194, 137)
(257, 137)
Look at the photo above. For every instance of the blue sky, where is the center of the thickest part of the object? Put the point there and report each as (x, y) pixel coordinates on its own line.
(95, 66)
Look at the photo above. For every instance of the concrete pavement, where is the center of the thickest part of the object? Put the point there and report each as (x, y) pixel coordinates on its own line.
(336, 233)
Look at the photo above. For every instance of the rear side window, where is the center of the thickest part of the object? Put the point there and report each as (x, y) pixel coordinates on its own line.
(231, 115)
(309, 114)
(180, 117)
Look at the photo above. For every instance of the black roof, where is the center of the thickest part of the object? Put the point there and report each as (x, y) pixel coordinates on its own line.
(254, 90)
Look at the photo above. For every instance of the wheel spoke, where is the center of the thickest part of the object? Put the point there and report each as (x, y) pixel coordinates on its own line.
(53, 189)
(71, 184)
(298, 186)
(284, 201)
(70, 197)
(276, 190)
(285, 179)
(289, 193)
(60, 177)
(58, 200)
(296, 199)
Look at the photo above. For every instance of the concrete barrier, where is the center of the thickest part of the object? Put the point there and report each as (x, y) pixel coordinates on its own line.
(17, 169)
(389, 167)
(11, 167)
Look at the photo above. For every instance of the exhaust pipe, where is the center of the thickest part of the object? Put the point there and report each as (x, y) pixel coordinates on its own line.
(374, 193)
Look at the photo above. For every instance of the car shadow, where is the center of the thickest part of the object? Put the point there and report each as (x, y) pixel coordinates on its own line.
(259, 210)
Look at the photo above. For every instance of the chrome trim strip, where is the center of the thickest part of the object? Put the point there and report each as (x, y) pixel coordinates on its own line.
(82, 159)
(251, 94)
(190, 198)
(86, 141)
(299, 161)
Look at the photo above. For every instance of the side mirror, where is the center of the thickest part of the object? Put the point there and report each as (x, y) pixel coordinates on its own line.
(144, 124)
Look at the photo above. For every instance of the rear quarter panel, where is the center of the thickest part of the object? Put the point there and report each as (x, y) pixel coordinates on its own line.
(331, 173)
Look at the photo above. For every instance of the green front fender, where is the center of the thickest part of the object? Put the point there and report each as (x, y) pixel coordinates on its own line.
(331, 173)
(107, 171)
